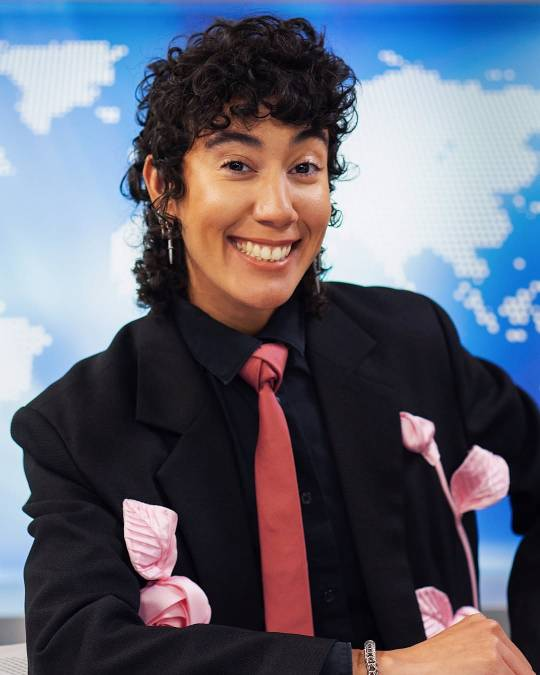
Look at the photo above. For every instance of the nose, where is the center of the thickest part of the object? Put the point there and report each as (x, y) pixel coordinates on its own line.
(273, 203)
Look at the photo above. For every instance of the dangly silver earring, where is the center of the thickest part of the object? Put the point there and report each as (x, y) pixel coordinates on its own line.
(166, 234)
(170, 248)
(317, 269)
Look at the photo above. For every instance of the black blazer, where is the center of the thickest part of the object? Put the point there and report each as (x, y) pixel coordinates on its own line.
(140, 421)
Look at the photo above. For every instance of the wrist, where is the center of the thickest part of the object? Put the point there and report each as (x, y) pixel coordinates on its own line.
(359, 666)
(386, 663)
(401, 662)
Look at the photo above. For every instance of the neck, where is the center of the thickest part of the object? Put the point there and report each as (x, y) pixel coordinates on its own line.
(249, 321)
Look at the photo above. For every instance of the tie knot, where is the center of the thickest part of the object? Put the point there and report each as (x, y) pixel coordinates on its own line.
(265, 366)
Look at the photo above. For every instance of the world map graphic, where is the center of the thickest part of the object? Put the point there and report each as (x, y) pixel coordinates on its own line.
(442, 196)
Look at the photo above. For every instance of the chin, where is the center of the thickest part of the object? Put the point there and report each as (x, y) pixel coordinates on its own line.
(268, 298)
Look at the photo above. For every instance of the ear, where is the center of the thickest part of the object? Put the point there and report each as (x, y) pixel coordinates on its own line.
(154, 182)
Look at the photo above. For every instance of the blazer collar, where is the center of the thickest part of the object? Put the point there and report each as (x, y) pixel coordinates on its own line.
(171, 388)
(337, 338)
(171, 384)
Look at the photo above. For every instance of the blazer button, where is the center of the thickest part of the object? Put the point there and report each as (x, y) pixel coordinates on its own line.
(306, 497)
(329, 595)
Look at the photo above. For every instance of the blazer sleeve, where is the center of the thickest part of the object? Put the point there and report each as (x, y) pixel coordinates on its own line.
(82, 596)
(501, 417)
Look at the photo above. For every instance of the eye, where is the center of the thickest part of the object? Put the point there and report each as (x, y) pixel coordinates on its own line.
(233, 165)
(306, 166)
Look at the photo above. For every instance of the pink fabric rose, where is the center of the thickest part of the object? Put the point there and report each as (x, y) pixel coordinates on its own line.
(481, 480)
(174, 601)
(149, 533)
(436, 610)
(418, 435)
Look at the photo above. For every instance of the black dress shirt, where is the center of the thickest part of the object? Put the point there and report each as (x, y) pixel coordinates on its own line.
(340, 607)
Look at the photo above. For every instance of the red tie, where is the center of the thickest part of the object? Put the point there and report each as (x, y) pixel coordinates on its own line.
(287, 600)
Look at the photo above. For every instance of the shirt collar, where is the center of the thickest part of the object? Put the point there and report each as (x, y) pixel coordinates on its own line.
(223, 350)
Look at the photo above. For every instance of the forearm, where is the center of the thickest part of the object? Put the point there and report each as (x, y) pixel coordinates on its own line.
(359, 667)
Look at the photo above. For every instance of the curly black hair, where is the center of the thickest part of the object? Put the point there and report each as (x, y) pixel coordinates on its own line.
(279, 63)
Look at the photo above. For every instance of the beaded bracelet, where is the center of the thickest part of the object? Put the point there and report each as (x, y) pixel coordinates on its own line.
(370, 657)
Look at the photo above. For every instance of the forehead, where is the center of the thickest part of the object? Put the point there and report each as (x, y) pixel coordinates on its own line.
(259, 132)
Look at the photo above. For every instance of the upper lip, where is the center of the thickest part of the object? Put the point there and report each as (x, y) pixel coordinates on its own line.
(267, 242)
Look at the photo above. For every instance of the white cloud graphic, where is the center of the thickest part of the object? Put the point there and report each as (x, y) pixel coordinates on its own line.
(108, 114)
(59, 76)
(6, 167)
(124, 250)
(521, 310)
(391, 58)
(434, 158)
(20, 342)
(472, 299)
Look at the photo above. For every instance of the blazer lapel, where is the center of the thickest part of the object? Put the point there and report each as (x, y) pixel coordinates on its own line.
(199, 478)
(362, 417)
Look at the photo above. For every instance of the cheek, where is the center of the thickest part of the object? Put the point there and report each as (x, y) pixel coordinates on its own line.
(315, 211)
(206, 223)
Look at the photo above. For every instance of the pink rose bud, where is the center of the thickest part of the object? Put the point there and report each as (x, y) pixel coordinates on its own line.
(418, 435)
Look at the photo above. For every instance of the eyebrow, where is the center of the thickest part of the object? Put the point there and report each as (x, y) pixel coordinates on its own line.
(227, 136)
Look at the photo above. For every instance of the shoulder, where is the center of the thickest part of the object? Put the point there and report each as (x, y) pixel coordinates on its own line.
(91, 414)
(383, 311)
(343, 293)
(99, 369)
(105, 381)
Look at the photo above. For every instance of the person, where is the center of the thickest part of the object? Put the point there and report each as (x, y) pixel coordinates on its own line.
(255, 416)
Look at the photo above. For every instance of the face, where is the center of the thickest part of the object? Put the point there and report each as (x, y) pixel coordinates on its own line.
(253, 217)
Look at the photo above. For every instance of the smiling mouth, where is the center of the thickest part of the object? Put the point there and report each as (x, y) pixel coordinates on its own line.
(263, 252)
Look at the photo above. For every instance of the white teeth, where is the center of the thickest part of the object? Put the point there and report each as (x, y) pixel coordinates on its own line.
(260, 252)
